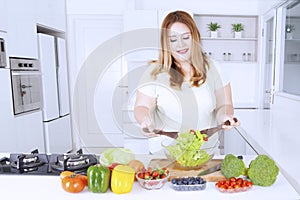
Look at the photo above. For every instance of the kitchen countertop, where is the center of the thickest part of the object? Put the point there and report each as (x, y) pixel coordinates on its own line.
(271, 133)
(257, 127)
(49, 187)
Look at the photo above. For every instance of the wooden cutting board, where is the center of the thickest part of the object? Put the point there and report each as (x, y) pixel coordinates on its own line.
(177, 171)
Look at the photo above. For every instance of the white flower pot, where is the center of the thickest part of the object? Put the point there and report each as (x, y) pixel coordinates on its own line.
(213, 34)
(237, 34)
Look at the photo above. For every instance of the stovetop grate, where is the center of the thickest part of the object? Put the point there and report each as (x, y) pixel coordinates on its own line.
(36, 163)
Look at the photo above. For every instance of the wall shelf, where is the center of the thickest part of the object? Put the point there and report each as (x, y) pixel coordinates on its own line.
(226, 43)
(293, 40)
(231, 39)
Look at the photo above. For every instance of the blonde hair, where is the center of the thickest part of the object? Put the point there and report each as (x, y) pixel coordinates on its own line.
(166, 63)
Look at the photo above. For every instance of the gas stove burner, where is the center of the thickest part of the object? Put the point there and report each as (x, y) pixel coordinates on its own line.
(35, 163)
(30, 169)
(27, 159)
(27, 162)
(73, 162)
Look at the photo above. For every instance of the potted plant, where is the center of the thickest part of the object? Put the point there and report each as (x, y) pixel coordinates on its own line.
(213, 28)
(237, 29)
(289, 28)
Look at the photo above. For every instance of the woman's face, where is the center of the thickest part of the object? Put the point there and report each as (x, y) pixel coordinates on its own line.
(180, 40)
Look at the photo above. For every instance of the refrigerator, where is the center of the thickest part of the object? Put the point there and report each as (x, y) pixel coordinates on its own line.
(55, 91)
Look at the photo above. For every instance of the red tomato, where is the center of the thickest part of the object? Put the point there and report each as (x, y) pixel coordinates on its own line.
(163, 176)
(239, 181)
(73, 183)
(249, 184)
(65, 174)
(155, 174)
(147, 175)
(141, 175)
(219, 184)
(236, 186)
(227, 182)
(232, 179)
(233, 185)
(113, 165)
(84, 179)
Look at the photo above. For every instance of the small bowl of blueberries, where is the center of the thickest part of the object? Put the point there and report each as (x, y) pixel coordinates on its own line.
(188, 183)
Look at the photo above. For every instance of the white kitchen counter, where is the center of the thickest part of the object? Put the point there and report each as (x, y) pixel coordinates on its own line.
(49, 187)
(257, 126)
(274, 134)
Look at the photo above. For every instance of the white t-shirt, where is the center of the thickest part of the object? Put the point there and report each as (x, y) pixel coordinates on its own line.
(189, 108)
(185, 109)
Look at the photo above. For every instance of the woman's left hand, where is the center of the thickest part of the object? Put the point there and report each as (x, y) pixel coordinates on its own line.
(230, 122)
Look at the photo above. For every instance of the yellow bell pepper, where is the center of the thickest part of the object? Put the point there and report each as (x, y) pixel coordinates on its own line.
(122, 179)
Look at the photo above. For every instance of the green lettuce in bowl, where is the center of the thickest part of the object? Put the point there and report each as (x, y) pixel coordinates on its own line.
(190, 150)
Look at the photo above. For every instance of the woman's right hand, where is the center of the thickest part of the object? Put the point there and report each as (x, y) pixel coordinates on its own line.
(148, 128)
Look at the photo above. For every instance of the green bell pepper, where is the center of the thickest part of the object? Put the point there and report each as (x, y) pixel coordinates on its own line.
(98, 178)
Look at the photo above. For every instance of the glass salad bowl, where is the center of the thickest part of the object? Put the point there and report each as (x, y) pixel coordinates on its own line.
(190, 151)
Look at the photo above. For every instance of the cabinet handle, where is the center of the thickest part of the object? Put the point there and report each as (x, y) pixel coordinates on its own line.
(26, 86)
(268, 91)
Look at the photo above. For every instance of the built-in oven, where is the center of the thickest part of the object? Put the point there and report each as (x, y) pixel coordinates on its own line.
(2, 53)
(26, 85)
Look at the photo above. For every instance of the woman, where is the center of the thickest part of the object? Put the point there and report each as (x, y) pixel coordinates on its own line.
(183, 89)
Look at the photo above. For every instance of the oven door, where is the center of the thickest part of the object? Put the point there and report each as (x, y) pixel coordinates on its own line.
(26, 88)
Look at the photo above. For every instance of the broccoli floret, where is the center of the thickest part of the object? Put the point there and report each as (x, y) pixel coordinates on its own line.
(232, 166)
(263, 171)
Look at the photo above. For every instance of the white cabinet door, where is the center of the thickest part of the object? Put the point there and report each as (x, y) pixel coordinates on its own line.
(145, 25)
(62, 76)
(140, 19)
(244, 80)
(51, 13)
(235, 144)
(58, 135)
(49, 78)
(23, 133)
(7, 142)
(94, 121)
(22, 37)
(3, 15)
(28, 132)
(18, 134)
(268, 59)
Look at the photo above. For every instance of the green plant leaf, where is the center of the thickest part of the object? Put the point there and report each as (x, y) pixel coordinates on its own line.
(213, 26)
(237, 27)
(289, 28)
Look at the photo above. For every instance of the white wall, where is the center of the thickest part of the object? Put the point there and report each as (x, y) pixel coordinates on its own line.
(80, 13)
(111, 7)
(232, 7)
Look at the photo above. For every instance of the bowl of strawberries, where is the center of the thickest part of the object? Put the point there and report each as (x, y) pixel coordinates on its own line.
(152, 178)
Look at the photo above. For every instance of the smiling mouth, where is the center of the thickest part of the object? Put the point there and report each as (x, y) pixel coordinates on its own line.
(182, 51)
